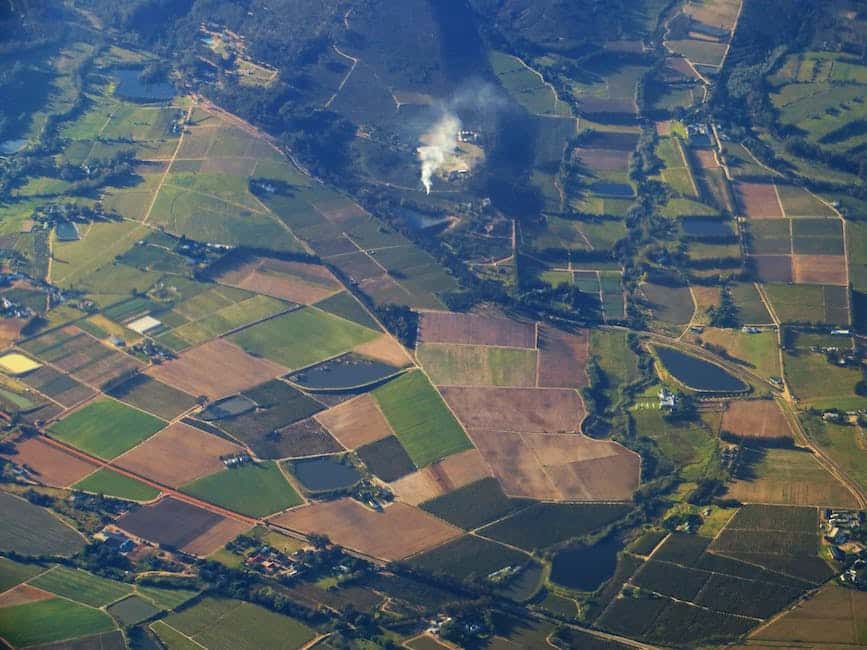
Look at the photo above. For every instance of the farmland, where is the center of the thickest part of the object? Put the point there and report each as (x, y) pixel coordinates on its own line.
(105, 481)
(81, 586)
(256, 489)
(31, 530)
(478, 366)
(46, 621)
(106, 428)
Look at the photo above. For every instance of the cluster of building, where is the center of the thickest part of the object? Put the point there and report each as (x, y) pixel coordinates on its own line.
(236, 460)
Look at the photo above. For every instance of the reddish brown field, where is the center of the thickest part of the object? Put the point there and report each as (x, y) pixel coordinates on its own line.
(773, 268)
(356, 422)
(177, 455)
(215, 369)
(537, 410)
(293, 281)
(605, 159)
(562, 358)
(760, 418)
(448, 327)
(385, 349)
(215, 538)
(23, 594)
(50, 465)
(706, 158)
(758, 200)
(559, 467)
(820, 269)
(395, 533)
(443, 476)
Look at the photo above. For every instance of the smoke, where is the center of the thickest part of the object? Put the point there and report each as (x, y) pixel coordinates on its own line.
(439, 142)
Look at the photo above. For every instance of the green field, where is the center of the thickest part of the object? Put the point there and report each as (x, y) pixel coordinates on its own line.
(611, 351)
(688, 445)
(81, 586)
(30, 530)
(345, 305)
(420, 419)
(223, 624)
(303, 337)
(843, 443)
(526, 86)
(837, 385)
(105, 481)
(469, 365)
(172, 639)
(254, 489)
(165, 598)
(106, 428)
(51, 620)
(14, 573)
(132, 610)
(759, 350)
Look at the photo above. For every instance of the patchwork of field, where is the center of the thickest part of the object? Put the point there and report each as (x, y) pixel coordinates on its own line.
(441, 477)
(787, 477)
(469, 329)
(356, 422)
(395, 533)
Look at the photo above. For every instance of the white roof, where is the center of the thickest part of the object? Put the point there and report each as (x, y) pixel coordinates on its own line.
(144, 324)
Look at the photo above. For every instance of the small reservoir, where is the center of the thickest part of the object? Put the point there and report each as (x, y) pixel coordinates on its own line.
(325, 473)
(698, 374)
(585, 568)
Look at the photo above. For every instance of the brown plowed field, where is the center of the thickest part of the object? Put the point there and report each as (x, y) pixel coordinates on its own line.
(540, 410)
(758, 200)
(356, 422)
(569, 467)
(773, 268)
(216, 369)
(443, 476)
(448, 327)
(177, 455)
(706, 158)
(820, 269)
(384, 349)
(395, 533)
(757, 418)
(293, 281)
(562, 358)
(605, 159)
(50, 465)
(23, 594)
(215, 537)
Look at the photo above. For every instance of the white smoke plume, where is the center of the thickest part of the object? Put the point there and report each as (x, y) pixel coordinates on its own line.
(438, 143)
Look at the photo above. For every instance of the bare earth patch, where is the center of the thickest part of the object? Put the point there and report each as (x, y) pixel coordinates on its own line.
(215, 369)
(758, 200)
(384, 349)
(293, 281)
(562, 358)
(820, 269)
(449, 327)
(23, 594)
(395, 533)
(760, 418)
(541, 410)
(356, 422)
(215, 538)
(177, 455)
(50, 465)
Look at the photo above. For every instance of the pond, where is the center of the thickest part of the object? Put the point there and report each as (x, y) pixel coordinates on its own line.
(699, 227)
(66, 231)
(9, 147)
(344, 372)
(585, 568)
(699, 374)
(129, 86)
(609, 188)
(325, 473)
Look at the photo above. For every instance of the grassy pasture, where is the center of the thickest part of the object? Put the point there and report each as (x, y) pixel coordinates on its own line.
(31, 530)
(81, 586)
(104, 481)
(254, 489)
(458, 365)
(106, 428)
(758, 350)
(690, 446)
(223, 624)
(302, 337)
(47, 621)
(420, 418)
